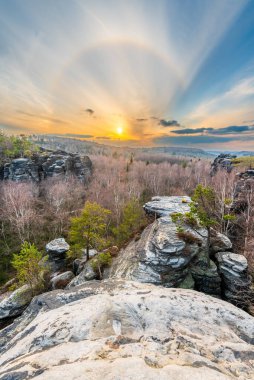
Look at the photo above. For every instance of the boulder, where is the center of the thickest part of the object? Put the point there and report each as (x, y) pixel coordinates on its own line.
(220, 242)
(126, 330)
(56, 250)
(61, 280)
(15, 303)
(236, 280)
(165, 206)
(79, 264)
(87, 274)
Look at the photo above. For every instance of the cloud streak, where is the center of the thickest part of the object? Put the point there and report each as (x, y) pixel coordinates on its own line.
(169, 123)
(212, 131)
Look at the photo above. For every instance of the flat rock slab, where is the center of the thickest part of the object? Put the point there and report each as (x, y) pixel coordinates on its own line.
(165, 206)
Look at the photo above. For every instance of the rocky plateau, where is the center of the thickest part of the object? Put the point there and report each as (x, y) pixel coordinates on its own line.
(117, 329)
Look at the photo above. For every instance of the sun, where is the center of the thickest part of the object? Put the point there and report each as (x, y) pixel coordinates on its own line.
(119, 130)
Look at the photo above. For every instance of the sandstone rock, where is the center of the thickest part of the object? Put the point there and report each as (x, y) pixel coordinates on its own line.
(61, 280)
(126, 330)
(56, 250)
(159, 256)
(207, 280)
(8, 285)
(236, 281)
(220, 242)
(47, 164)
(224, 162)
(165, 206)
(87, 274)
(15, 303)
(79, 264)
(75, 266)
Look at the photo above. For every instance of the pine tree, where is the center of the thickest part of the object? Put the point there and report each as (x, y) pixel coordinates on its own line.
(88, 229)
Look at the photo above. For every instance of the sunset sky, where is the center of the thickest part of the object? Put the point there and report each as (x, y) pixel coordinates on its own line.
(132, 72)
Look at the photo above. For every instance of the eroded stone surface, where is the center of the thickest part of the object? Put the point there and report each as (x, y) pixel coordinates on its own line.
(15, 302)
(61, 280)
(165, 206)
(236, 280)
(126, 330)
(56, 250)
(47, 164)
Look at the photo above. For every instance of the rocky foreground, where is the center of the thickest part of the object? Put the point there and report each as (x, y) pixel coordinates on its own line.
(128, 330)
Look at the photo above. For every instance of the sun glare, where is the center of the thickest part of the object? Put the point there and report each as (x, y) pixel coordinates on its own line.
(119, 130)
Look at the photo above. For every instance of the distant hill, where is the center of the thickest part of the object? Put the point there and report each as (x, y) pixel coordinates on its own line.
(75, 145)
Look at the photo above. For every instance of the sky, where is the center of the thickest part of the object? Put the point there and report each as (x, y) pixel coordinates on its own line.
(130, 72)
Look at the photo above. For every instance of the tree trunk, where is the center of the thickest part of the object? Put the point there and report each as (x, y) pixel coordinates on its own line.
(208, 246)
(87, 252)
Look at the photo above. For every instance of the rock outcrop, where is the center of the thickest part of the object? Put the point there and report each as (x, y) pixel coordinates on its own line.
(47, 164)
(236, 280)
(125, 330)
(60, 281)
(15, 302)
(87, 274)
(162, 257)
(164, 206)
(159, 257)
(222, 161)
(244, 186)
(56, 250)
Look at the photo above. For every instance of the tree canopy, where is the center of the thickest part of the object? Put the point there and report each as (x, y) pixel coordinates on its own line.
(88, 230)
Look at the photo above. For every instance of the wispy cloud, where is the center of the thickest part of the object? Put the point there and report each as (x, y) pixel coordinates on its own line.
(239, 94)
(89, 111)
(233, 129)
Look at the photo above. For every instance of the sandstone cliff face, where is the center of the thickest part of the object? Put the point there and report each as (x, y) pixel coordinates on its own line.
(160, 257)
(47, 164)
(222, 161)
(127, 330)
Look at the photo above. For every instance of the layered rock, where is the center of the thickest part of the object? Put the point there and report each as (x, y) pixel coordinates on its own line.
(14, 303)
(223, 161)
(47, 164)
(160, 257)
(126, 330)
(163, 257)
(164, 206)
(61, 280)
(87, 274)
(236, 280)
(56, 250)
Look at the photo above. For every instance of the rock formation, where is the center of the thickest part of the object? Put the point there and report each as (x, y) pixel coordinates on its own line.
(13, 304)
(161, 257)
(60, 281)
(244, 185)
(236, 280)
(56, 250)
(47, 164)
(222, 161)
(126, 330)
(164, 206)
